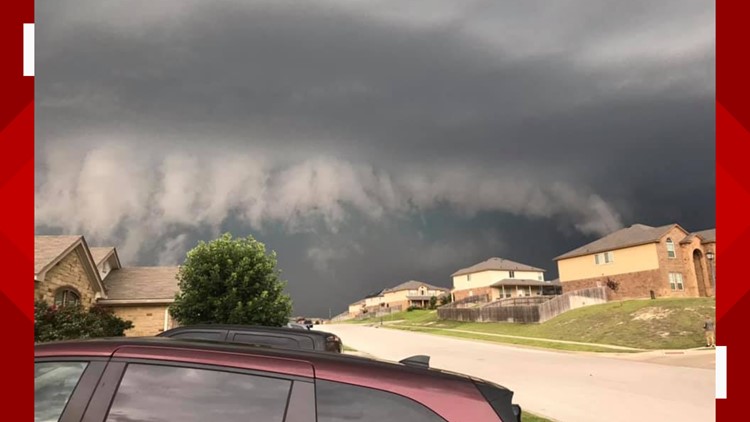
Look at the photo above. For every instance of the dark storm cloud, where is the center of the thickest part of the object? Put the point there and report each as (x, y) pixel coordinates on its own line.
(351, 136)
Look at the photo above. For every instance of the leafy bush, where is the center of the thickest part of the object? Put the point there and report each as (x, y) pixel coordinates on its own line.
(231, 281)
(445, 299)
(433, 302)
(413, 308)
(70, 322)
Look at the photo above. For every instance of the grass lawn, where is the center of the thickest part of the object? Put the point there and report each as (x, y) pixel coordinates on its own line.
(528, 417)
(644, 324)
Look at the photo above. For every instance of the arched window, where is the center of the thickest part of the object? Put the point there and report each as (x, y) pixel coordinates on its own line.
(65, 297)
(670, 249)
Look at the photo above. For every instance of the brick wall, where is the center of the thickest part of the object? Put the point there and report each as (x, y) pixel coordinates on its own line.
(147, 320)
(636, 285)
(682, 264)
(463, 294)
(69, 273)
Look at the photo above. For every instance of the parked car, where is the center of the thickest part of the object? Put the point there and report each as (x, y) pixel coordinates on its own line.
(125, 379)
(286, 337)
(298, 326)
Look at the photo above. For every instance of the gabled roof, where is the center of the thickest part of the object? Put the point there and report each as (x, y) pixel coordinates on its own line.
(635, 235)
(142, 285)
(103, 253)
(413, 285)
(49, 250)
(375, 294)
(496, 264)
(706, 236)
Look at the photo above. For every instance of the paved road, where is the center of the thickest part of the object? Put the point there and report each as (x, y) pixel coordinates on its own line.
(567, 387)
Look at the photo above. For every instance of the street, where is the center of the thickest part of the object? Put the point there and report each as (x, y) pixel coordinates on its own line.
(566, 387)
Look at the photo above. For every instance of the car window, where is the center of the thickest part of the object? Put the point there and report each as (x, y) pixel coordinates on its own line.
(54, 383)
(156, 393)
(339, 402)
(200, 335)
(287, 341)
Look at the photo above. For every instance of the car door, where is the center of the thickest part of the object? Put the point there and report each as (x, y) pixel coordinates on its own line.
(63, 386)
(159, 384)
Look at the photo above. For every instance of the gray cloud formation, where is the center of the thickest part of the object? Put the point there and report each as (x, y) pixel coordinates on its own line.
(371, 142)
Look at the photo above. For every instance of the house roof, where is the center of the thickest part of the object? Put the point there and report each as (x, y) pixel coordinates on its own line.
(49, 249)
(375, 294)
(635, 235)
(413, 285)
(497, 264)
(102, 253)
(142, 284)
(706, 236)
(521, 282)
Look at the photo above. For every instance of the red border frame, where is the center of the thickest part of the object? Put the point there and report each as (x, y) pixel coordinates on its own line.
(16, 212)
(732, 194)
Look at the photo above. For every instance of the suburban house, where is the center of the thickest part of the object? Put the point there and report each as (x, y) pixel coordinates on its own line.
(398, 298)
(68, 271)
(499, 278)
(412, 293)
(646, 262)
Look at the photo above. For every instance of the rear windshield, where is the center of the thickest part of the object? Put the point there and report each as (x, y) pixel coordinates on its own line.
(500, 398)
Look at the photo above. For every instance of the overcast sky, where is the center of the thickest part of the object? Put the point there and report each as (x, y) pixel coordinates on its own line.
(372, 142)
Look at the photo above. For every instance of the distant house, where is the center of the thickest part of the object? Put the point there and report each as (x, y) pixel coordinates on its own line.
(645, 260)
(357, 307)
(68, 271)
(412, 293)
(499, 278)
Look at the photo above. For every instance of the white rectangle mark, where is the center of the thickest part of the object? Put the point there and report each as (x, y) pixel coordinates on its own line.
(28, 49)
(721, 372)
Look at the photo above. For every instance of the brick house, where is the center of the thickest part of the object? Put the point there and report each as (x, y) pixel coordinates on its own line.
(498, 278)
(67, 271)
(665, 261)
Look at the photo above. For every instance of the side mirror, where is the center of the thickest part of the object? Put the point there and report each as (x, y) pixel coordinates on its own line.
(517, 412)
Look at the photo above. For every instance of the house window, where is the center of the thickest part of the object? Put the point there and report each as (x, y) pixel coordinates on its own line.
(540, 277)
(604, 258)
(675, 281)
(511, 274)
(670, 249)
(468, 277)
(65, 297)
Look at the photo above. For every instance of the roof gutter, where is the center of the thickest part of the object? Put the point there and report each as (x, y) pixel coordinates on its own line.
(114, 302)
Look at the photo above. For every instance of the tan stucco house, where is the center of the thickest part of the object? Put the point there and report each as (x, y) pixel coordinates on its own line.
(411, 293)
(498, 278)
(659, 261)
(67, 271)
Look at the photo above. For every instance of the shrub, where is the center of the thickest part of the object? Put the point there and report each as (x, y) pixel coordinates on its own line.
(412, 308)
(433, 302)
(75, 322)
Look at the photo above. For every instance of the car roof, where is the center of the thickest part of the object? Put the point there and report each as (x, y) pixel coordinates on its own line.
(237, 327)
(105, 347)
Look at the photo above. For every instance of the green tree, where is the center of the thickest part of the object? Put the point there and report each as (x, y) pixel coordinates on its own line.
(433, 302)
(445, 299)
(231, 281)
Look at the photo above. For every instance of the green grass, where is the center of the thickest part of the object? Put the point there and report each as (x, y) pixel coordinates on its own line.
(645, 324)
(528, 417)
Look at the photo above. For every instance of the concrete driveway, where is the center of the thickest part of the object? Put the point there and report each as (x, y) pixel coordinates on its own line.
(566, 387)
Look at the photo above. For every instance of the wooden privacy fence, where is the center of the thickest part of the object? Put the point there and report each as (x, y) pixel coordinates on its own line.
(525, 310)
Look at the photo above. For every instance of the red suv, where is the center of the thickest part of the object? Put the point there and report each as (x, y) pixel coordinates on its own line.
(162, 379)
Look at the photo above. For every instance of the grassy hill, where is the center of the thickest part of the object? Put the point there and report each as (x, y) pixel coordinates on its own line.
(643, 324)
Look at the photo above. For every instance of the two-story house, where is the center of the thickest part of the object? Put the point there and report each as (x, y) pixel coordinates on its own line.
(412, 293)
(646, 261)
(68, 271)
(498, 278)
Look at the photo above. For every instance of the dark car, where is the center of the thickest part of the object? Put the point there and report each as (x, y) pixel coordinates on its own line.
(285, 337)
(163, 379)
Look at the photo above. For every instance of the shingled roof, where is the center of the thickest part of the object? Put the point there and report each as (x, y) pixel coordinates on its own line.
(49, 249)
(141, 284)
(706, 236)
(101, 253)
(413, 285)
(496, 264)
(635, 235)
